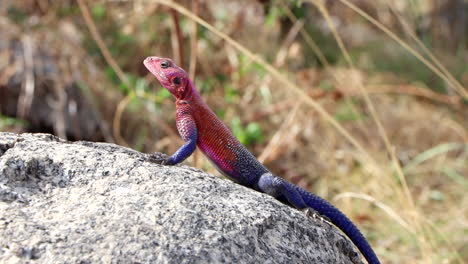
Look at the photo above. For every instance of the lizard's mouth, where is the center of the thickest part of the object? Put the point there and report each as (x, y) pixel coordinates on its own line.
(162, 75)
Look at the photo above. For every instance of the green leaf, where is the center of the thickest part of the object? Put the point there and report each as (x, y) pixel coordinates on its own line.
(272, 16)
(326, 85)
(17, 15)
(436, 195)
(455, 176)
(345, 112)
(433, 152)
(98, 11)
(231, 95)
(237, 130)
(250, 134)
(207, 85)
(254, 133)
(163, 94)
(6, 121)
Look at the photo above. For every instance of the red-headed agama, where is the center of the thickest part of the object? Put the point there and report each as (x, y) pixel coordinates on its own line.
(199, 126)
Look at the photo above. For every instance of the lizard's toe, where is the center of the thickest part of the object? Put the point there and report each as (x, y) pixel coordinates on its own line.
(160, 158)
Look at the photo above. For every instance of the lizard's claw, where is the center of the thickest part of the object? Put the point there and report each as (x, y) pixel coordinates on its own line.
(167, 161)
(309, 212)
(160, 158)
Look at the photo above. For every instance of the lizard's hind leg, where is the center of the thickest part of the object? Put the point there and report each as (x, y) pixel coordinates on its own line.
(279, 187)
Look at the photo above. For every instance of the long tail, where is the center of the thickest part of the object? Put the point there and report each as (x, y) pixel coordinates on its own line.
(341, 221)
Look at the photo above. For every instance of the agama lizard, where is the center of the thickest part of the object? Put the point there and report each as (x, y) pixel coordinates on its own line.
(199, 126)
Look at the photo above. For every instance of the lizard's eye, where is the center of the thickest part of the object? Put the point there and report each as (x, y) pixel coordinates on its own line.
(176, 80)
(165, 64)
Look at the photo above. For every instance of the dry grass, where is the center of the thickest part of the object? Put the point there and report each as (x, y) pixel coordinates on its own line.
(388, 151)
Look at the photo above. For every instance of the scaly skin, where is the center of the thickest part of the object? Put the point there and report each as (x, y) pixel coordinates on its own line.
(199, 126)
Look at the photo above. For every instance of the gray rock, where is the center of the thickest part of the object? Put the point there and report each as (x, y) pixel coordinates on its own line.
(83, 202)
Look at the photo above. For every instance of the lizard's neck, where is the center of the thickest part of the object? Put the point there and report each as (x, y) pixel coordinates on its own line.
(190, 92)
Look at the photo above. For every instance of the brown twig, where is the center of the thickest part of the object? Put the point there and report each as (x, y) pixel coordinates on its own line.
(176, 39)
(193, 42)
(60, 103)
(377, 89)
(283, 50)
(110, 60)
(9, 71)
(287, 104)
(307, 38)
(26, 96)
(320, 56)
(99, 41)
(193, 62)
(277, 140)
(118, 117)
(456, 86)
(416, 91)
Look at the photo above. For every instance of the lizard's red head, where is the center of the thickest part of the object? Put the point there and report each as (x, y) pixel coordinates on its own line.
(171, 76)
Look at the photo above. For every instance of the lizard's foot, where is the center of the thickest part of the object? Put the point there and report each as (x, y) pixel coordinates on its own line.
(312, 213)
(160, 158)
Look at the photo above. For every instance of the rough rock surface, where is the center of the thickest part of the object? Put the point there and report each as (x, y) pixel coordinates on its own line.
(83, 202)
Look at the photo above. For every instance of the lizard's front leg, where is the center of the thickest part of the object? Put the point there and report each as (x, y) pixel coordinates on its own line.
(187, 128)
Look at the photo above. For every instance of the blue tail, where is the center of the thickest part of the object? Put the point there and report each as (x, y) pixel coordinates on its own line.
(341, 221)
(301, 199)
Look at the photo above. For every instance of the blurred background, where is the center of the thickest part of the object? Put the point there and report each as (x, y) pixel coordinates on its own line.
(362, 102)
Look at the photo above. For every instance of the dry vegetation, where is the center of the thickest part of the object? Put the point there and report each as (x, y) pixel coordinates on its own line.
(368, 113)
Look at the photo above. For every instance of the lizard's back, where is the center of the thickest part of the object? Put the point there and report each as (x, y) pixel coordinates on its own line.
(217, 142)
